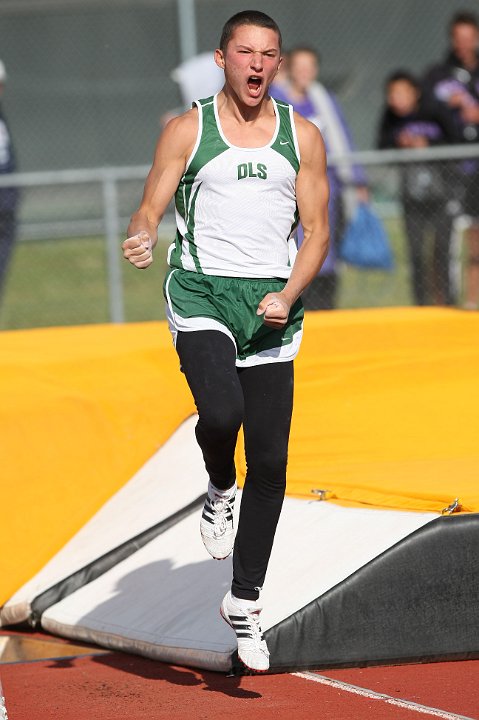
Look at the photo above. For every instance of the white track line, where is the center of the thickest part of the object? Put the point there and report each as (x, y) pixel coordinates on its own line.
(371, 694)
(3, 709)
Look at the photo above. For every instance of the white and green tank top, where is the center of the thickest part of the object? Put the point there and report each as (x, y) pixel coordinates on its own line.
(236, 207)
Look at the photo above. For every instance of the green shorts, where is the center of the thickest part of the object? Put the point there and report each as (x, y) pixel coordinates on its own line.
(229, 304)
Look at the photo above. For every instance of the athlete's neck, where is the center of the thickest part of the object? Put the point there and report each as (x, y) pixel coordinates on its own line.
(230, 107)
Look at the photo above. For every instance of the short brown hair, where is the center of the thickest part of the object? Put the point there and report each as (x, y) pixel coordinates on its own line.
(464, 17)
(248, 17)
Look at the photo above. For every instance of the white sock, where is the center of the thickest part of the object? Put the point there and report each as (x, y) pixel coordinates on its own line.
(242, 603)
(214, 491)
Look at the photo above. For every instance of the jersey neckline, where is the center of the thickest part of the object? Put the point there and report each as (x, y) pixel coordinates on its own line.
(239, 147)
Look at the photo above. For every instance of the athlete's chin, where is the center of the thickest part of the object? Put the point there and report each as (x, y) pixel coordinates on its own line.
(253, 102)
(254, 98)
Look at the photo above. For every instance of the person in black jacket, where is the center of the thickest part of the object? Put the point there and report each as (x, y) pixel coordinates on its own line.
(8, 195)
(454, 85)
(409, 122)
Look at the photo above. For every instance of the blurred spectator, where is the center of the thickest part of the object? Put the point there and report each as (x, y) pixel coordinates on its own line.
(454, 83)
(197, 77)
(281, 81)
(311, 99)
(410, 122)
(8, 196)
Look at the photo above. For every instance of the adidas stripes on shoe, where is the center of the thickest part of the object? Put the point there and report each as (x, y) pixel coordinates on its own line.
(216, 524)
(252, 648)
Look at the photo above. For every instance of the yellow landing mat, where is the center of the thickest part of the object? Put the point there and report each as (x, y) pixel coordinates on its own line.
(82, 409)
(387, 409)
(386, 414)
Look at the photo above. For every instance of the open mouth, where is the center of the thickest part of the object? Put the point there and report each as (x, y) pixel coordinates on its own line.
(254, 84)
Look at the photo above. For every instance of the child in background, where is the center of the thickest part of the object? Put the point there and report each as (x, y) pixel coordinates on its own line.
(409, 122)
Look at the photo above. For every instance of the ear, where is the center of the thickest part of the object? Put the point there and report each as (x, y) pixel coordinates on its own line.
(220, 58)
(279, 65)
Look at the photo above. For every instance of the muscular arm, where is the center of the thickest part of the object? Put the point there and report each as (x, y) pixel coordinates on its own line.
(172, 151)
(312, 194)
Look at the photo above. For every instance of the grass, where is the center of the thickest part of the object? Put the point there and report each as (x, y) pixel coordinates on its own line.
(376, 288)
(64, 282)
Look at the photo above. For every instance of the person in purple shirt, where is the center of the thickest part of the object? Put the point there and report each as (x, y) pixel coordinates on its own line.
(454, 84)
(408, 121)
(311, 99)
(8, 195)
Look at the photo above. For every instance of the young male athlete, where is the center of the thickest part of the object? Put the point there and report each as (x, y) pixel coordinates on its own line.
(242, 168)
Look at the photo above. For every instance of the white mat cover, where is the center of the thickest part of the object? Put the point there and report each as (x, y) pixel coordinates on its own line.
(163, 601)
(171, 479)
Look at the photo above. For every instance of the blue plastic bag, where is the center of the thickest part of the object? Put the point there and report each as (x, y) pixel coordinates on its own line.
(365, 242)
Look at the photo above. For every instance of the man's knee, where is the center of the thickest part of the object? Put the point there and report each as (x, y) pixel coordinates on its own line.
(268, 466)
(220, 423)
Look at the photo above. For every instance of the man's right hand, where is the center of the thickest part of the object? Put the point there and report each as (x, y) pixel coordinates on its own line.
(138, 250)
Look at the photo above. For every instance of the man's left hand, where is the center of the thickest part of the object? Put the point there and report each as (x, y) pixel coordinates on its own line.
(275, 310)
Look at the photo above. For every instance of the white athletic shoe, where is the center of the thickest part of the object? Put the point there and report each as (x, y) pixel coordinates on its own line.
(252, 649)
(216, 526)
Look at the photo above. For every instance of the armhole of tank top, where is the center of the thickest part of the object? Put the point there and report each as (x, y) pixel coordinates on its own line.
(295, 136)
(277, 127)
(198, 136)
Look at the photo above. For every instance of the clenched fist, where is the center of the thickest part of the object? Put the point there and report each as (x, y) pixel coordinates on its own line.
(138, 250)
(275, 309)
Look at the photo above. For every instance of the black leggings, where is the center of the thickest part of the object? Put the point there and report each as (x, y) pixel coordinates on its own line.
(260, 398)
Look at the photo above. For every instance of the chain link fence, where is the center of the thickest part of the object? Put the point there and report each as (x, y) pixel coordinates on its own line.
(88, 85)
(68, 268)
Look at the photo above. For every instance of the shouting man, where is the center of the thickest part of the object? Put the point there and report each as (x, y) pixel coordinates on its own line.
(242, 168)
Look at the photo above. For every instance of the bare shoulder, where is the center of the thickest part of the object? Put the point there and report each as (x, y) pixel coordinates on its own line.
(187, 121)
(180, 132)
(309, 137)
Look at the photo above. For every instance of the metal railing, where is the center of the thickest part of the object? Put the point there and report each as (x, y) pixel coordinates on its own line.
(113, 222)
(108, 178)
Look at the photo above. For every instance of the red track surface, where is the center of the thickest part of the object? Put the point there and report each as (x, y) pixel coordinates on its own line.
(117, 686)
